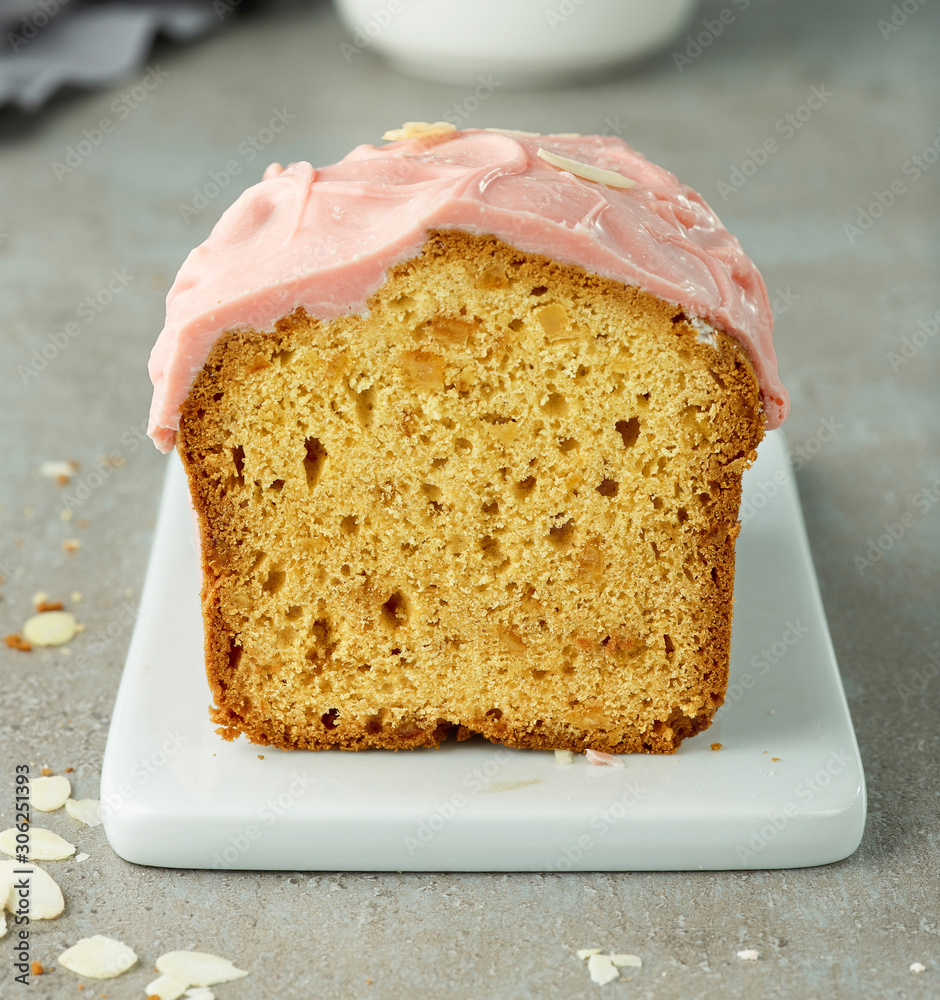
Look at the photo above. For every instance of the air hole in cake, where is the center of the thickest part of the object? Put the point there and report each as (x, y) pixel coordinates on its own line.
(705, 499)
(438, 463)
(234, 656)
(609, 488)
(489, 546)
(495, 714)
(582, 371)
(238, 457)
(283, 357)
(329, 718)
(349, 524)
(556, 405)
(274, 581)
(409, 548)
(516, 325)
(670, 648)
(680, 317)
(217, 397)
(293, 612)
(374, 723)
(717, 378)
(524, 488)
(277, 485)
(364, 667)
(365, 404)
(567, 444)
(490, 508)
(537, 675)
(394, 611)
(431, 491)
(629, 430)
(657, 503)
(539, 290)
(345, 570)
(714, 574)
(462, 446)
(314, 461)
(682, 514)
(562, 534)
(655, 549)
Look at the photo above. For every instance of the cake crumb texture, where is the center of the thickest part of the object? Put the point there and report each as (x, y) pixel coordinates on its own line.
(503, 501)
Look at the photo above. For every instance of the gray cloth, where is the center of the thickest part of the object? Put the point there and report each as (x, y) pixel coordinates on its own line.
(48, 44)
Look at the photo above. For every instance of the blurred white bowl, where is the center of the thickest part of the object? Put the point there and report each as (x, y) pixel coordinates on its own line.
(516, 42)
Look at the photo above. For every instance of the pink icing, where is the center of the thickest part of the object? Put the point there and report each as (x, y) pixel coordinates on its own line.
(324, 239)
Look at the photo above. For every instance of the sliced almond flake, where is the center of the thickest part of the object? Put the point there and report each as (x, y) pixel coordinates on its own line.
(98, 957)
(202, 992)
(49, 794)
(51, 628)
(587, 171)
(82, 857)
(44, 845)
(602, 970)
(627, 961)
(418, 130)
(588, 952)
(564, 757)
(918, 967)
(87, 811)
(45, 897)
(514, 131)
(600, 757)
(3, 923)
(166, 988)
(749, 955)
(198, 968)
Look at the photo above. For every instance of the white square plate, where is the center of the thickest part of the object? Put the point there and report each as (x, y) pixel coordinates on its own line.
(785, 790)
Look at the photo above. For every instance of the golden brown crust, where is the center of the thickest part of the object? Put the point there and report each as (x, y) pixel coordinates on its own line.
(378, 568)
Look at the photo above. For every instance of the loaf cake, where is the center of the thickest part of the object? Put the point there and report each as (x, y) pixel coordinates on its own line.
(464, 419)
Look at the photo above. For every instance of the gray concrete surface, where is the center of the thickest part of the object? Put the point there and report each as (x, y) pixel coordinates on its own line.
(847, 306)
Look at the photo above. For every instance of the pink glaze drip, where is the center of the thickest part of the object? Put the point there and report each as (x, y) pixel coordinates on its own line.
(325, 239)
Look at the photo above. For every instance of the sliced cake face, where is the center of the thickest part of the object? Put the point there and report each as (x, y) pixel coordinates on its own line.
(503, 499)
